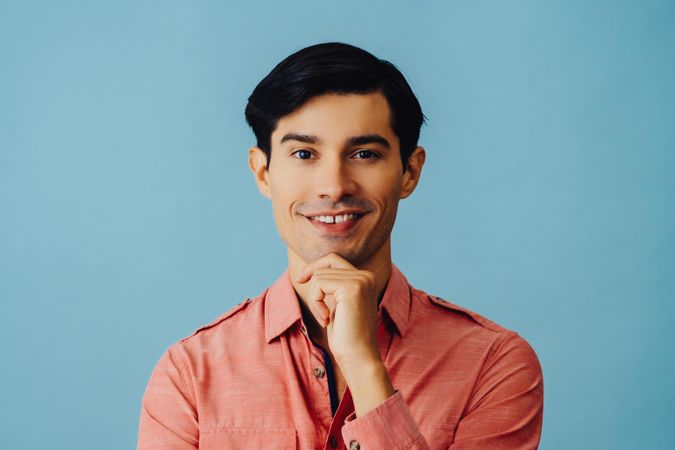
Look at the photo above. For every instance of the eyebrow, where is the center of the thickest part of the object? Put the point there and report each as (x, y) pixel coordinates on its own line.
(307, 139)
(369, 139)
(352, 141)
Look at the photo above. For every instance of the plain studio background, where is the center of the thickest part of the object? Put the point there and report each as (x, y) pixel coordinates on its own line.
(128, 215)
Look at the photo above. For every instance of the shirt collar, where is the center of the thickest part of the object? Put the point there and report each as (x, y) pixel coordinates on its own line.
(282, 307)
(396, 300)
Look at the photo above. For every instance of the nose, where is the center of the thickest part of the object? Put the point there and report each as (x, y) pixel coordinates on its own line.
(334, 180)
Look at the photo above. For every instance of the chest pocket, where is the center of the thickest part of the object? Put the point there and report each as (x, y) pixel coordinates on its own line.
(248, 438)
(441, 436)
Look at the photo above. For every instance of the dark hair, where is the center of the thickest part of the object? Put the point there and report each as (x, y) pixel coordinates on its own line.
(333, 68)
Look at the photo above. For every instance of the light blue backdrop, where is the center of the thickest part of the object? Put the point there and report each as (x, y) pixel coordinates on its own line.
(128, 216)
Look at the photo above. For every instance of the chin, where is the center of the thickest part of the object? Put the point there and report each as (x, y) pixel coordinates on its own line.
(355, 257)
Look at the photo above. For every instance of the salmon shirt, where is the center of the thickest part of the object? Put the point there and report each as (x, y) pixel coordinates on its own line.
(254, 379)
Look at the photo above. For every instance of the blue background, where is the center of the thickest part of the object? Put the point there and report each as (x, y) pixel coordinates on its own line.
(128, 215)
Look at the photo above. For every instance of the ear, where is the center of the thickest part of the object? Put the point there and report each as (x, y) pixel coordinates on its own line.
(412, 174)
(257, 161)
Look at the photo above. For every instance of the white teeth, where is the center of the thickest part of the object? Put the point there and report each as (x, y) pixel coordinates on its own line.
(335, 219)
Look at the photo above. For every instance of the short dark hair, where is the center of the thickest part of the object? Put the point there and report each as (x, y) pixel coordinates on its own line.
(333, 68)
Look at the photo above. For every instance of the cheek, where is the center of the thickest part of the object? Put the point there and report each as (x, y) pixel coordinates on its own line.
(385, 189)
(286, 192)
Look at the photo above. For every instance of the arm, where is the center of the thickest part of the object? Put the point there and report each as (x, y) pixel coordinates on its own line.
(344, 300)
(507, 406)
(168, 414)
(504, 412)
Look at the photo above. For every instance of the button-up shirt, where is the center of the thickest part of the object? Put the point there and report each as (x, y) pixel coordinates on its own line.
(254, 379)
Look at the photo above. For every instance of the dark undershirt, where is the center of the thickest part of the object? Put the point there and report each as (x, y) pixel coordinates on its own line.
(332, 388)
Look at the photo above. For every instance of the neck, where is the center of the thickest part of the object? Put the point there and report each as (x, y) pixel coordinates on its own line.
(379, 264)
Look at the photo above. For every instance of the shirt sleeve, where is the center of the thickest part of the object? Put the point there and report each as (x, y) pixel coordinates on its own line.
(506, 408)
(504, 413)
(168, 418)
(388, 425)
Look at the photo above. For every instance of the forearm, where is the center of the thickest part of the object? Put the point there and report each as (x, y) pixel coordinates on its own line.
(368, 383)
(381, 417)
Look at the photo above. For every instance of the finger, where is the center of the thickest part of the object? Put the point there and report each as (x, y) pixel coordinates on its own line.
(321, 313)
(329, 301)
(342, 286)
(326, 290)
(317, 305)
(331, 273)
(332, 260)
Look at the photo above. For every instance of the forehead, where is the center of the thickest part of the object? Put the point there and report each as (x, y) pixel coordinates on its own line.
(338, 116)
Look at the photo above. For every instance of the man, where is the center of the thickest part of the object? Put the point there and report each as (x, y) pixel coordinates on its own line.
(341, 352)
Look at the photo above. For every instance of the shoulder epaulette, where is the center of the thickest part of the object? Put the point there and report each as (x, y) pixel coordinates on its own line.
(229, 313)
(485, 322)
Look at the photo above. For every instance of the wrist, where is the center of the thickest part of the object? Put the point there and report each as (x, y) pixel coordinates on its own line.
(360, 363)
(369, 385)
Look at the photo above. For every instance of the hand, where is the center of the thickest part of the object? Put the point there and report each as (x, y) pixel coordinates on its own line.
(343, 299)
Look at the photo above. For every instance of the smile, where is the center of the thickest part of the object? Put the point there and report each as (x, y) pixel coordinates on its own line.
(335, 225)
(335, 219)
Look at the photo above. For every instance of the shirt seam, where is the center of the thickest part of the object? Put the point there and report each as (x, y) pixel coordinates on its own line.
(370, 420)
(496, 345)
(473, 316)
(182, 369)
(250, 430)
(220, 319)
(416, 438)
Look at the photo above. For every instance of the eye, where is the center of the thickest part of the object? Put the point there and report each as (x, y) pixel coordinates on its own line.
(365, 154)
(302, 154)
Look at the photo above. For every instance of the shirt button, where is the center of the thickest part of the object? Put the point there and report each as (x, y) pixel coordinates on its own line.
(319, 372)
(353, 445)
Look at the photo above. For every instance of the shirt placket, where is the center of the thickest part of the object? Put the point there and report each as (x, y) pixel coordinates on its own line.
(319, 379)
(346, 405)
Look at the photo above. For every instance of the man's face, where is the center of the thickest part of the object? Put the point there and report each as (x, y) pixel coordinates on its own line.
(335, 177)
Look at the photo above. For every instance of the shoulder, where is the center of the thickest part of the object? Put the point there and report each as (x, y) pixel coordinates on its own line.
(233, 336)
(246, 311)
(445, 318)
(452, 310)
(515, 348)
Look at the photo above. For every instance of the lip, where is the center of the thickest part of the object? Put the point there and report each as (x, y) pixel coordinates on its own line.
(340, 212)
(336, 229)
